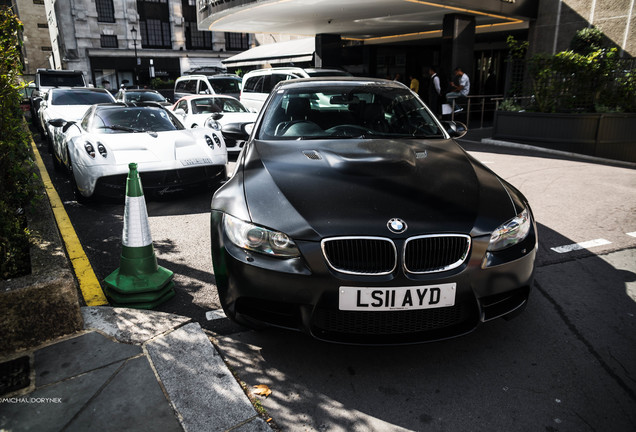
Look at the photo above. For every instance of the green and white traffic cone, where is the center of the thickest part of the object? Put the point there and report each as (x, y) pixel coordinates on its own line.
(139, 282)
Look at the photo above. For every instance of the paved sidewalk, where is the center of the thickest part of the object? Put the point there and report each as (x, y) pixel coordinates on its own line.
(130, 370)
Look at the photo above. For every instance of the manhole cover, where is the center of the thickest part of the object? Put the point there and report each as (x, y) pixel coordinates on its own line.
(14, 375)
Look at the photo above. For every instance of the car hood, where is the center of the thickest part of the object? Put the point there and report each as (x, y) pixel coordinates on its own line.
(315, 189)
(66, 112)
(184, 145)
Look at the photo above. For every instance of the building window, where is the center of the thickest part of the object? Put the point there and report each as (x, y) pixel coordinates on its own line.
(43, 26)
(46, 48)
(236, 41)
(155, 34)
(105, 11)
(154, 23)
(196, 39)
(38, 2)
(109, 41)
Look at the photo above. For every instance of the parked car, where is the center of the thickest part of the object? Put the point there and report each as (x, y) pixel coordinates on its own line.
(257, 84)
(69, 104)
(220, 84)
(141, 95)
(217, 112)
(360, 220)
(97, 150)
(46, 79)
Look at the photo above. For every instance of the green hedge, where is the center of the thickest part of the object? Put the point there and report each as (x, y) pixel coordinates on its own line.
(19, 183)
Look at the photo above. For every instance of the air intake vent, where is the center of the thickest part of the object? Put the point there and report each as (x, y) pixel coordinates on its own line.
(435, 253)
(360, 255)
(312, 154)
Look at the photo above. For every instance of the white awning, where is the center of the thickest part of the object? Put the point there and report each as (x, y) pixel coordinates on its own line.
(297, 50)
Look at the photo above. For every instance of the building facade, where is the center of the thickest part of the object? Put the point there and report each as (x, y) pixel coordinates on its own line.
(387, 38)
(131, 42)
(36, 48)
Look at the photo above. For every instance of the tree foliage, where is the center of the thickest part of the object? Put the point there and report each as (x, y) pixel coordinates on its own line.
(587, 78)
(18, 180)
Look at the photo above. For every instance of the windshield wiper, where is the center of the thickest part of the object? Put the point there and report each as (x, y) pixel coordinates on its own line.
(121, 128)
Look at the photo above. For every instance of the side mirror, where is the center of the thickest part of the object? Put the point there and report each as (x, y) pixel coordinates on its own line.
(180, 112)
(217, 116)
(61, 123)
(58, 122)
(455, 129)
(238, 131)
(247, 129)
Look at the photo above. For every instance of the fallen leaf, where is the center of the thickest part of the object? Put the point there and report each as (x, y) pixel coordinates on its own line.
(262, 390)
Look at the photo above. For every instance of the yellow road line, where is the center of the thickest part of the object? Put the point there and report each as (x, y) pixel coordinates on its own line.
(88, 282)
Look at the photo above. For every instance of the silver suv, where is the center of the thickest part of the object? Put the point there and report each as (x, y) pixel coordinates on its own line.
(257, 84)
(223, 84)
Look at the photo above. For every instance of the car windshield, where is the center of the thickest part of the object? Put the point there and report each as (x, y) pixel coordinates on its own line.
(133, 119)
(225, 85)
(352, 111)
(79, 97)
(212, 105)
(61, 80)
(144, 97)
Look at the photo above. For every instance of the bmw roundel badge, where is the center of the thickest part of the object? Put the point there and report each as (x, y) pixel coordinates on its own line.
(396, 225)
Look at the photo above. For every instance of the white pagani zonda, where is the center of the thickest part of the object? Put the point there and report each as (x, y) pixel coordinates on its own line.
(97, 150)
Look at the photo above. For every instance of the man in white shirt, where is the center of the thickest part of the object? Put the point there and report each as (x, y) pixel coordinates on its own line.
(462, 89)
(434, 92)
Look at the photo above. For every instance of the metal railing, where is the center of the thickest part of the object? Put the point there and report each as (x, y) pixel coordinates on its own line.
(483, 104)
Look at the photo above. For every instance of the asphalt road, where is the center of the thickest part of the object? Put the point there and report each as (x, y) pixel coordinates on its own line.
(565, 364)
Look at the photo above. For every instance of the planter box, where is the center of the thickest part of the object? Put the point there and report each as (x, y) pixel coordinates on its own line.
(44, 304)
(611, 136)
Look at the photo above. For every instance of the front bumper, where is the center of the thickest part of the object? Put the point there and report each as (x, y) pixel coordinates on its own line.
(110, 180)
(302, 293)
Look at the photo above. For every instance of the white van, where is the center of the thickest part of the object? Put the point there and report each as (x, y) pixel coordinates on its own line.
(257, 84)
(223, 84)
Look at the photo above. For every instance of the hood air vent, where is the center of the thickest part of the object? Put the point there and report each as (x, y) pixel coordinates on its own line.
(312, 154)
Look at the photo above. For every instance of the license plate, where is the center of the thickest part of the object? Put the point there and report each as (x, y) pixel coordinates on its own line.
(397, 298)
(196, 161)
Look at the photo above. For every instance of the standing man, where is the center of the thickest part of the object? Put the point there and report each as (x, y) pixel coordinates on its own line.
(434, 91)
(461, 89)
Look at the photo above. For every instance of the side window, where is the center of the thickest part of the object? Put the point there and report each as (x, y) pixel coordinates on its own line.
(253, 84)
(183, 105)
(204, 88)
(191, 86)
(181, 85)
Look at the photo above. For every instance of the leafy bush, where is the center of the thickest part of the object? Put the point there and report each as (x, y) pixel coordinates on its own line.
(18, 181)
(586, 41)
(158, 83)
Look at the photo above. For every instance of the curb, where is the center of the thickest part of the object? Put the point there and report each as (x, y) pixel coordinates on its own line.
(200, 387)
(589, 158)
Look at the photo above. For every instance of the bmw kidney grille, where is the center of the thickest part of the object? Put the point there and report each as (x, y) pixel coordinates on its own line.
(378, 255)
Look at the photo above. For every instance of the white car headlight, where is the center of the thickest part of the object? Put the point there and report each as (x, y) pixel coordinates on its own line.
(258, 239)
(511, 233)
(213, 124)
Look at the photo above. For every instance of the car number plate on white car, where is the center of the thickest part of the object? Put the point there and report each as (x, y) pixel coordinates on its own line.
(397, 298)
(196, 161)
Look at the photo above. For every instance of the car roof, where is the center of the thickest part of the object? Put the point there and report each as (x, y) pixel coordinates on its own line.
(210, 77)
(78, 89)
(140, 90)
(214, 96)
(339, 80)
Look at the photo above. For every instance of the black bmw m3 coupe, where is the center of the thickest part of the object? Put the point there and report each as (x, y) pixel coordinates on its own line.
(354, 216)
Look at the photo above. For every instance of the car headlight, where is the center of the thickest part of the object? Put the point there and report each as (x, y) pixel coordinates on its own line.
(511, 233)
(258, 239)
(211, 123)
